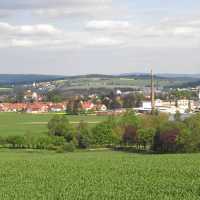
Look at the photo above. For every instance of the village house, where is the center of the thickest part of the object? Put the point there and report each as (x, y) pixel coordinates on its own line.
(57, 107)
(87, 105)
(12, 107)
(37, 108)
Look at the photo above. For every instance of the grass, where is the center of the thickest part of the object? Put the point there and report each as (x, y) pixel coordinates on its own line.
(20, 124)
(98, 175)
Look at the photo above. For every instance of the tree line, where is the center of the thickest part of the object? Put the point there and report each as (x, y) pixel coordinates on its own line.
(143, 133)
(149, 133)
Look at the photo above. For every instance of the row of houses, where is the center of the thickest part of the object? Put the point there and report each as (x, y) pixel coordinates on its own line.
(33, 107)
(43, 107)
(88, 105)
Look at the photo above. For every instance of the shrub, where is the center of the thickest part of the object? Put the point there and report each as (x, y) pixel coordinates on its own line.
(15, 141)
(2, 141)
(42, 142)
(69, 147)
(52, 147)
(60, 149)
(58, 141)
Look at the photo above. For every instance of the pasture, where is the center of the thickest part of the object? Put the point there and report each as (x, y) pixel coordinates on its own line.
(98, 175)
(22, 123)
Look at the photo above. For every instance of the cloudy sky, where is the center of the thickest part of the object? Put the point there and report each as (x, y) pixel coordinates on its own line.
(99, 36)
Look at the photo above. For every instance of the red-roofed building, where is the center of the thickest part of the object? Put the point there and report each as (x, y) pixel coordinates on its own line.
(37, 108)
(87, 105)
(58, 107)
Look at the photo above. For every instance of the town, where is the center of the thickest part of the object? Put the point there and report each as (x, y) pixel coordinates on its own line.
(43, 97)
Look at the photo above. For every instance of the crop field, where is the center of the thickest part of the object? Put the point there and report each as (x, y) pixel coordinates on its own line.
(80, 83)
(20, 124)
(98, 175)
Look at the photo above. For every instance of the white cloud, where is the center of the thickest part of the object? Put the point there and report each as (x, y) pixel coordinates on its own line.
(27, 35)
(60, 8)
(45, 4)
(103, 33)
(104, 41)
(107, 24)
(37, 29)
(28, 29)
(47, 36)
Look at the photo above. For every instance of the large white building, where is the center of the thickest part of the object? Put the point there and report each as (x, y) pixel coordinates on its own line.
(182, 106)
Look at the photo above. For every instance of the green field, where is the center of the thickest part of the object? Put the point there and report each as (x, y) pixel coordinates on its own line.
(98, 176)
(127, 82)
(21, 123)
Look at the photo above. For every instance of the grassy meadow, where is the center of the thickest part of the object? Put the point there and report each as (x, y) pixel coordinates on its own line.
(98, 175)
(22, 123)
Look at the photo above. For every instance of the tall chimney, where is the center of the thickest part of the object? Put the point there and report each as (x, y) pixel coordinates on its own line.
(152, 93)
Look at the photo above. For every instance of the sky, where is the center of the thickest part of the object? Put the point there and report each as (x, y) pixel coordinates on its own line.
(70, 37)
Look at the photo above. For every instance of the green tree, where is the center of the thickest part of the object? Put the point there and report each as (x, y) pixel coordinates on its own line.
(132, 100)
(104, 134)
(146, 136)
(54, 96)
(59, 126)
(129, 119)
(83, 135)
(129, 124)
(192, 136)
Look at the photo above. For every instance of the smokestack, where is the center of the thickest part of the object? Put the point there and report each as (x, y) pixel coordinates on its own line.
(152, 93)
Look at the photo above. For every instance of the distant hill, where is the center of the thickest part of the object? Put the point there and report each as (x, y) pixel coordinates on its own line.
(180, 75)
(88, 76)
(26, 78)
(184, 77)
(188, 77)
(175, 80)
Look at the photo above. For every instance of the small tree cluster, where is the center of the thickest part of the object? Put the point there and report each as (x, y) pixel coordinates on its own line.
(30, 141)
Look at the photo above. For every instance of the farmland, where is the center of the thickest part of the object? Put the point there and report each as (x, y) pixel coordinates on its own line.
(113, 82)
(21, 123)
(98, 175)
